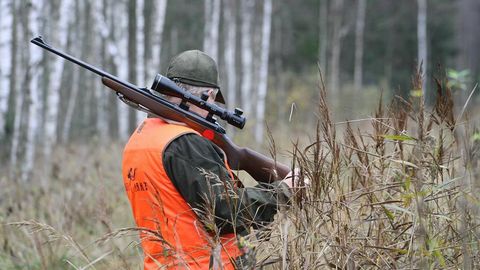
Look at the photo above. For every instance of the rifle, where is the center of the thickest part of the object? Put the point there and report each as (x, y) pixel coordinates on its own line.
(260, 167)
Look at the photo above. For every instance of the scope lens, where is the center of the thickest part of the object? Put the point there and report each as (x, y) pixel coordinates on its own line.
(157, 79)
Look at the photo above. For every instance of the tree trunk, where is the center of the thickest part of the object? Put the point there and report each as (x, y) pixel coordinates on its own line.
(160, 20)
(278, 67)
(32, 81)
(5, 65)
(153, 29)
(422, 41)
(212, 24)
(87, 103)
(359, 29)
(132, 55)
(229, 52)
(81, 27)
(263, 76)
(208, 24)
(247, 54)
(141, 49)
(468, 40)
(120, 61)
(101, 25)
(334, 65)
(323, 35)
(59, 31)
(148, 54)
(18, 99)
(111, 52)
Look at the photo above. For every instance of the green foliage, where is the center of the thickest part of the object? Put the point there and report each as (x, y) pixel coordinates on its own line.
(458, 79)
(476, 137)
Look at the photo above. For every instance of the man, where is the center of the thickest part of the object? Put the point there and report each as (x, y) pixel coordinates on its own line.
(182, 192)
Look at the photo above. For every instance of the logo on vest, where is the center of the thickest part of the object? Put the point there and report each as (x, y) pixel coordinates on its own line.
(133, 185)
(131, 174)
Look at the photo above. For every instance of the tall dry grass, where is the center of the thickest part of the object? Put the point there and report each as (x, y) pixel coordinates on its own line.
(53, 222)
(399, 194)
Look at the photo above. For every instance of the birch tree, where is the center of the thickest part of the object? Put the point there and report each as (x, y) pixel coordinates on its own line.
(247, 54)
(80, 28)
(359, 29)
(212, 25)
(100, 10)
(229, 17)
(59, 37)
(132, 52)
(148, 44)
(5, 65)
(323, 35)
(422, 40)
(141, 49)
(34, 55)
(121, 65)
(337, 35)
(207, 9)
(14, 90)
(467, 38)
(153, 33)
(263, 76)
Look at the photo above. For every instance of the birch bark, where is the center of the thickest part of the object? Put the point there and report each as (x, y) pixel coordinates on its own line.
(359, 29)
(153, 26)
(422, 41)
(101, 29)
(263, 76)
(33, 75)
(208, 24)
(212, 24)
(5, 65)
(59, 37)
(323, 35)
(13, 91)
(229, 52)
(247, 54)
(132, 54)
(121, 64)
(79, 26)
(140, 64)
(334, 65)
(149, 43)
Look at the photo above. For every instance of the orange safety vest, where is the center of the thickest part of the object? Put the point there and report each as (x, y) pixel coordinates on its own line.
(176, 239)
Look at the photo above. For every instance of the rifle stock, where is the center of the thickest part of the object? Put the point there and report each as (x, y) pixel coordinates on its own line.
(260, 167)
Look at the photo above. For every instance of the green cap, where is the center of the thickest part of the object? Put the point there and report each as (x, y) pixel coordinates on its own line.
(195, 68)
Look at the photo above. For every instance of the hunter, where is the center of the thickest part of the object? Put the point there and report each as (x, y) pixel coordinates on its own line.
(189, 205)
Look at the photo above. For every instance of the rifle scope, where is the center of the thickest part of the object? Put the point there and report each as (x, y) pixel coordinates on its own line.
(168, 87)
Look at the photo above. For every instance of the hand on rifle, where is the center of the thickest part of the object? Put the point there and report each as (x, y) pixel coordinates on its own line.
(293, 180)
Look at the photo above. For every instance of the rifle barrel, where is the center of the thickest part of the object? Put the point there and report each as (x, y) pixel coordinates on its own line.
(41, 43)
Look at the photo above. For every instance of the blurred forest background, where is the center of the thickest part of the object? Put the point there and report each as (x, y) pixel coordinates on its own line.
(268, 54)
(59, 125)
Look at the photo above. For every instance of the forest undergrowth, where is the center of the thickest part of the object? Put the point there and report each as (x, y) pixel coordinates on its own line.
(400, 192)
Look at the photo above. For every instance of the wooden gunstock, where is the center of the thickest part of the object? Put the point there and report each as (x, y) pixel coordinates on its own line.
(260, 167)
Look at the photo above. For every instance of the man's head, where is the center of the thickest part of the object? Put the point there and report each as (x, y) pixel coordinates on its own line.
(196, 69)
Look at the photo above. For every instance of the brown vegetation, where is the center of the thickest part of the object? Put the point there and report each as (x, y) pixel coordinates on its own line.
(398, 194)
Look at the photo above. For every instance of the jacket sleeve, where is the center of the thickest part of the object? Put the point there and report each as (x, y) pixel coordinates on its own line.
(196, 168)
